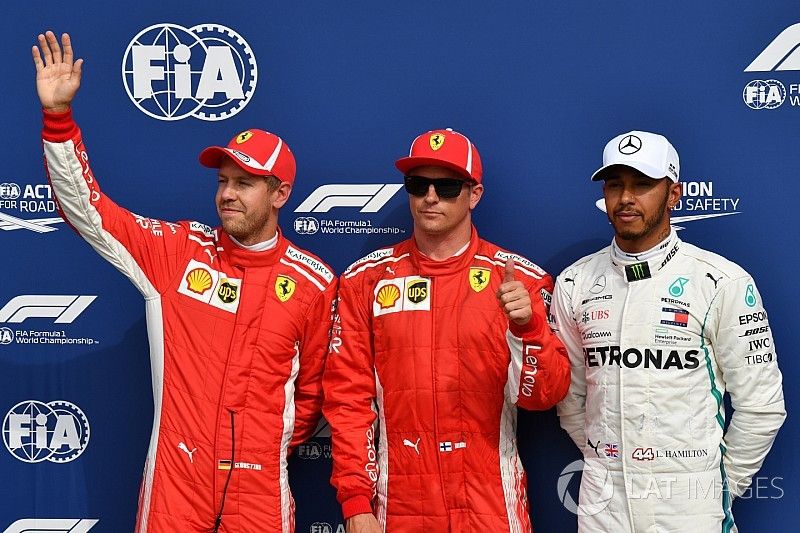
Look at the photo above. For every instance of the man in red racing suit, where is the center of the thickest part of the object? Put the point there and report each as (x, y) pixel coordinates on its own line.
(437, 340)
(238, 321)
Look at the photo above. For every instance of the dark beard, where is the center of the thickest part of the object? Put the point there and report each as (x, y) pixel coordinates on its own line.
(649, 223)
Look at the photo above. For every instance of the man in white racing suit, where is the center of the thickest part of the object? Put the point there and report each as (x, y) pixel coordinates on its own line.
(658, 331)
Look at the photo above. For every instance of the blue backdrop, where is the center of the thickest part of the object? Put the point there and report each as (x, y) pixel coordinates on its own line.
(538, 86)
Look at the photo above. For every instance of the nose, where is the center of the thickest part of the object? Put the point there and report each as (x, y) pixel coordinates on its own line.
(431, 196)
(226, 192)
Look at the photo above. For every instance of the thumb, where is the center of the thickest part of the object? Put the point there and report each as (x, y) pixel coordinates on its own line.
(509, 274)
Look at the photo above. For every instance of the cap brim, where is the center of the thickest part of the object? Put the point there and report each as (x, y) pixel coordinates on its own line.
(647, 170)
(213, 156)
(407, 163)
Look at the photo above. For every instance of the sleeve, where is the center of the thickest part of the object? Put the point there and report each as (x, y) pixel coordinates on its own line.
(313, 350)
(749, 364)
(350, 392)
(145, 250)
(538, 374)
(572, 409)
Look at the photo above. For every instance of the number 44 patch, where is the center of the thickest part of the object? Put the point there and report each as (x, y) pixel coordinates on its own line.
(643, 454)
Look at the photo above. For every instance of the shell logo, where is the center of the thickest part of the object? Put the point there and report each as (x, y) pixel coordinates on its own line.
(387, 296)
(198, 280)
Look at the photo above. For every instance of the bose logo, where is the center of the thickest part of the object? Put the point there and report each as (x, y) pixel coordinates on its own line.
(369, 197)
(783, 53)
(65, 309)
(52, 525)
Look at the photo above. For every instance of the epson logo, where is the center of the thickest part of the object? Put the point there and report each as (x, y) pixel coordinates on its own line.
(752, 317)
(369, 197)
(645, 358)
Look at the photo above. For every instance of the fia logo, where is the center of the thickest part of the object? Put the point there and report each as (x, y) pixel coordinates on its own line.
(35, 431)
(207, 71)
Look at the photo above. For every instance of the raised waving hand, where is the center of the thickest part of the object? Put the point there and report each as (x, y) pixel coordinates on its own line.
(58, 77)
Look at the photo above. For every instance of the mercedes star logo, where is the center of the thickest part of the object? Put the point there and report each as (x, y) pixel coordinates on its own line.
(630, 144)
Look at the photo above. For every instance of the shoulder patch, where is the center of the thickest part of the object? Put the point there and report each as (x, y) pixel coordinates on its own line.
(377, 254)
(521, 260)
(316, 266)
(202, 228)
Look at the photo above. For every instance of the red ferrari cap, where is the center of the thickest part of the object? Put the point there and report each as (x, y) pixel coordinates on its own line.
(444, 148)
(257, 152)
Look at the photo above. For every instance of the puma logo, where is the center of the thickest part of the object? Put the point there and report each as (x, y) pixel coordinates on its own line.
(410, 444)
(594, 446)
(715, 280)
(183, 447)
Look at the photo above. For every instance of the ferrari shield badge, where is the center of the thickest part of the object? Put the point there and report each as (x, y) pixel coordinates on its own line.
(479, 278)
(284, 287)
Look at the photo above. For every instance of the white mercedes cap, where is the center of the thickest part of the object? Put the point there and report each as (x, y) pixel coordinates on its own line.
(649, 153)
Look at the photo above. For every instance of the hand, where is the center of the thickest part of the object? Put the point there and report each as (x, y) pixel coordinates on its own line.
(363, 523)
(57, 77)
(514, 298)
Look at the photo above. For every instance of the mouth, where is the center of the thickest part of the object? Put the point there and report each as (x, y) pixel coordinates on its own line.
(627, 216)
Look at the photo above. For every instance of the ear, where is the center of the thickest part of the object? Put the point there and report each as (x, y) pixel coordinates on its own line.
(674, 195)
(281, 195)
(475, 194)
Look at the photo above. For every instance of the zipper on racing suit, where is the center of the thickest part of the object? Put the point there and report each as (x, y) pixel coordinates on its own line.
(436, 397)
(218, 519)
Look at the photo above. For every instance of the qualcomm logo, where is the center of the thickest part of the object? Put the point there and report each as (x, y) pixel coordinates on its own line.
(207, 71)
(35, 431)
(52, 525)
(782, 54)
(63, 308)
(697, 198)
(370, 198)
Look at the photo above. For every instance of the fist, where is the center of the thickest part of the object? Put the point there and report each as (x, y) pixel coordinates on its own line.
(514, 298)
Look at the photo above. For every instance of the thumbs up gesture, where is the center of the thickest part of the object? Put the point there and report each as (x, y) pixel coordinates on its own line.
(513, 298)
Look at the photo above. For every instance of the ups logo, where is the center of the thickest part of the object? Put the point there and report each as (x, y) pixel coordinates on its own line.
(417, 291)
(227, 291)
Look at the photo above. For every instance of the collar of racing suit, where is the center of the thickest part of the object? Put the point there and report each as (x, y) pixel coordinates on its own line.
(430, 267)
(656, 257)
(243, 257)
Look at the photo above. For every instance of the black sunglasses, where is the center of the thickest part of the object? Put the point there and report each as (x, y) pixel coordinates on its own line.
(444, 187)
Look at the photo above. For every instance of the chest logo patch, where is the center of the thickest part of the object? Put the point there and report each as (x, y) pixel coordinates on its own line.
(676, 289)
(387, 296)
(202, 283)
(410, 293)
(479, 278)
(198, 280)
(227, 291)
(417, 291)
(284, 287)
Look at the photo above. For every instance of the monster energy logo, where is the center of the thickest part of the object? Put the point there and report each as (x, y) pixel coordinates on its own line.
(637, 271)
(750, 296)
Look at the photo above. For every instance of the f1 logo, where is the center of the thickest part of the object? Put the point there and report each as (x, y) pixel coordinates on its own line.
(52, 525)
(369, 197)
(783, 53)
(64, 308)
